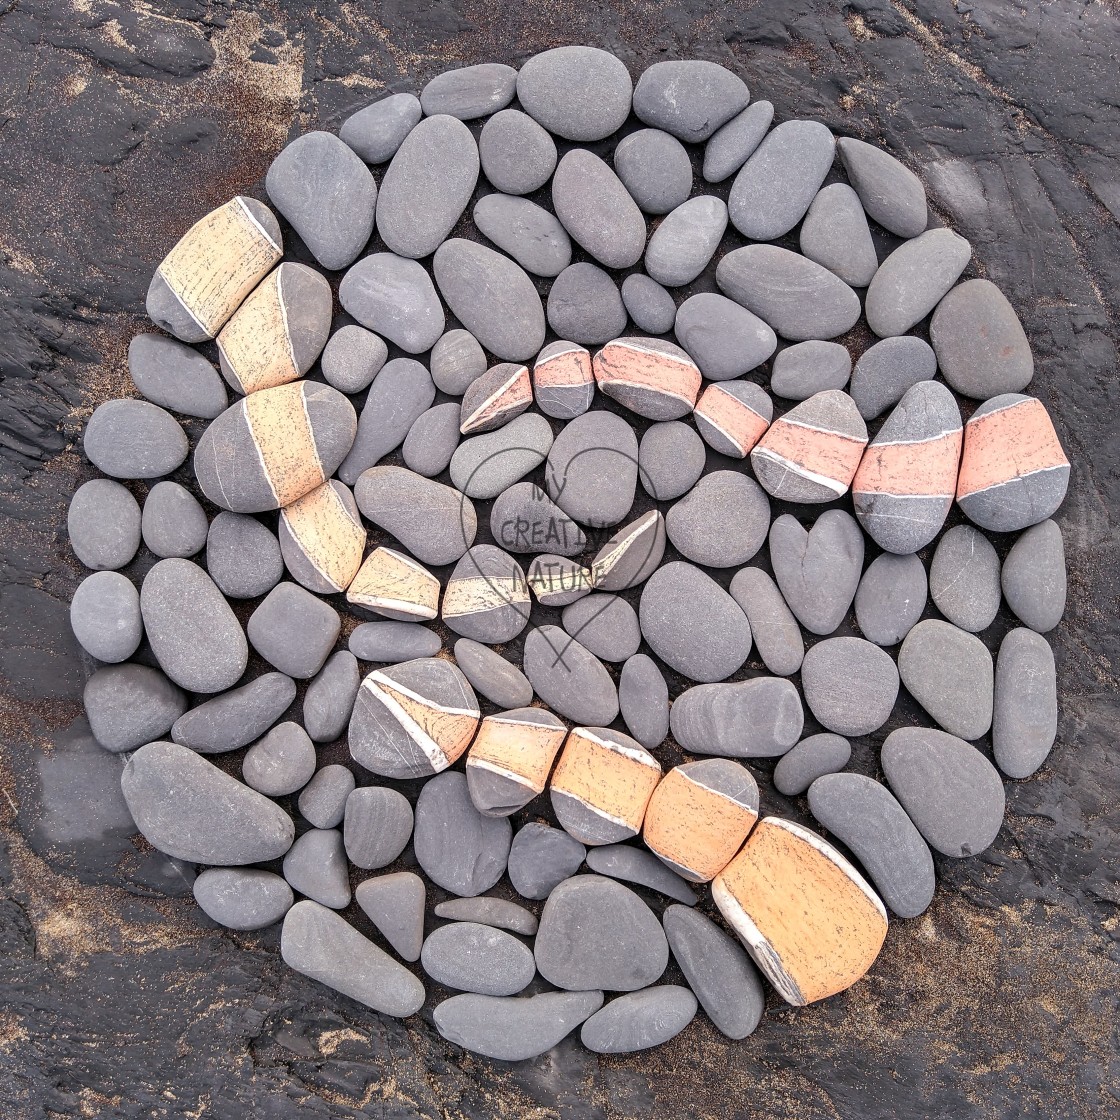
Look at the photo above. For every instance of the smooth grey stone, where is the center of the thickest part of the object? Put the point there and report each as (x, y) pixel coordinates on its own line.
(757, 718)
(835, 234)
(434, 522)
(243, 556)
(777, 183)
(315, 866)
(189, 809)
(592, 469)
(321, 944)
(557, 581)
(495, 620)
(813, 757)
(433, 439)
(427, 186)
(327, 194)
(237, 717)
(639, 1020)
(323, 801)
(964, 578)
(733, 143)
(671, 459)
(391, 642)
(477, 958)
(378, 130)
(395, 905)
(353, 357)
(541, 857)
(494, 676)
(196, 638)
(377, 826)
(807, 368)
(605, 625)
(689, 98)
(456, 361)
(643, 700)
(470, 91)
(568, 677)
(585, 306)
(655, 169)
(891, 598)
(173, 523)
(294, 630)
(774, 628)
(577, 93)
(886, 370)
(1025, 715)
(493, 297)
(176, 377)
(724, 339)
(103, 524)
(524, 519)
(721, 522)
(530, 234)
(280, 763)
(485, 465)
(949, 672)
(513, 1029)
(134, 439)
(636, 865)
(890, 192)
(394, 297)
(850, 685)
(686, 240)
(912, 280)
(597, 211)
(130, 705)
(458, 848)
(496, 912)
(948, 788)
(242, 898)
(1034, 577)
(818, 571)
(631, 555)
(650, 306)
(518, 156)
(718, 970)
(597, 934)
(105, 616)
(796, 296)
(867, 819)
(692, 624)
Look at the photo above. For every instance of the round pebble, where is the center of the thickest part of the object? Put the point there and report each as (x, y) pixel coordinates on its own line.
(293, 630)
(130, 705)
(721, 522)
(456, 361)
(686, 240)
(886, 370)
(648, 304)
(530, 234)
(243, 556)
(378, 130)
(835, 234)
(563, 381)
(477, 958)
(733, 143)
(395, 906)
(890, 192)
(103, 524)
(524, 519)
(807, 368)
(605, 625)
(173, 523)
(470, 91)
(655, 168)
(584, 305)
(518, 156)
(596, 209)
(690, 98)
(377, 826)
(890, 598)
(724, 339)
(671, 458)
(105, 616)
(352, 358)
(568, 677)
(964, 578)
(395, 298)
(592, 469)
(134, 439)
(242, 898)
(280, 763)
(850, 685)
(391, 642)
(542, 857)
(495, 912)
(577, 93)
(733, 416)
(432, 440)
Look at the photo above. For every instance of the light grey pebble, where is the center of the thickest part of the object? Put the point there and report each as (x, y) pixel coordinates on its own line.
(597, 211)
(394, 297)
(733, 143)
(643, 700)
(686, 240)
(806, 368)
(649, 304)
(525, 519)
(280, 763)
(542, 857)
(585, 306)
(948, 788)
(689, 98)
(242, 898)
(391, 642)
(315, 866)
(636, 865)
(477, 958)
(134, 439)
(518, 156)
(757, 718)
(886, 370)
(825, 753)
(176, 377)
(530, 234)
(187, 808)
(568, 677)
(395, 905)
(456, 361)
(721, 522)
(1034, 577)
(890, 192)
(496, 912)
(130, 705)
(377, 826)
(850, 685)
(173, 523)
(964, 578)
(327, 194)
(294, 630)
(774, 628)
(891, 598)
(597, 934)
(631, 555)
(671, 459)
(485, 465)
(493, 675)
(655, 169)
(592, 469)
(724, 339)
(353, 358)
(237, 717)
(323, 801)
(1025, 715)
(469, 92)
(487, 597)
(835, 234)
(105, 616)
(557, 581)
(577, 93)
(949, 672)
(639, 1020)
(321, 944)
(103, 524)
(378, 130)
(243, 556)
(865, 817)
(605, 625)
(432, 440)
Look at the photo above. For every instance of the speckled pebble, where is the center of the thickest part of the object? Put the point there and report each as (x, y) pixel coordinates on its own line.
(477, 958)
(649, 304)
(280, 763)
(964, 578)
(105, 616)
(850, 685)
(130, 705)
(377, 826)
(103, 524)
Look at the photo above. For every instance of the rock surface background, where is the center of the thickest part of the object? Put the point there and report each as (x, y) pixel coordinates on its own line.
(115, 123)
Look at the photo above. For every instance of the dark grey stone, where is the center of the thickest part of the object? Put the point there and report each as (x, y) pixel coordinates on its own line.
(243, 556)
(105, 616)
(721, 522)
(176, 377)
(524, 519)
(671, 459)
(686, 240)
(631, 555)
(1025, 715)
(636, 865)
(964, 578)
(724, 339)
(530, 234)
(890, 192)
(294, 630)
(886, 370)
(432, 440)
(850, 685)
(470, 91)
(173, 523)
(1034, 577)
(477, 958)
(353, 357)
(280, 763)
(237, 717)
(394, 297)
(643, 700)
(656, 170)
(650, 306)
(891, 598)
(835, 234)
(597, 210)
(568, 677)
(378, 130)
(757, 718)
(604, 624)
(134, 439)
(395, 905)
(578, 93)
(500, 681)
(733, 143)
(391, 642)
(456, 361)
(377, 826)
(315, 866)
(774, 628)
(485, 465)
(323, 801)
(689, 98)
(806, 368)
(639, 1020)
(495, 912)
(810, 759)
(949, 672)
(592, 469)
(242, 898)
(518, 156)
(130, 705)
(103, 524)
(541, 857)
(585, 306)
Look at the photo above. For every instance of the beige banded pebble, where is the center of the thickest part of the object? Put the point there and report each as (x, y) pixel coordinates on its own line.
(733, 416)
(487, 596)
(396, 586)
(811, 922)
(699, 816)
(602, 785)
(511, 757)
(322, 538)
(557, 581)
(654, 378)
(501, 393)
(631, 555)
(563, 381)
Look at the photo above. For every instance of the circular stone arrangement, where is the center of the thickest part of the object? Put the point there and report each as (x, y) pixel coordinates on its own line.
(556, 453)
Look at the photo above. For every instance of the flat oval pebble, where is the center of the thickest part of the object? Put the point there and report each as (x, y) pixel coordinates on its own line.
(377, 826)
(1034, 577)
(835, 234)
(671, 459)
(395, 905)
(585, 305)
(242, 898)
(497, 912)
(886, 370)
(850, 685)
(654, 378)
(490, 673)
(323, 801)
(655, 169)
(686, 240)
(176, 377)
(639, 1020)
(1025, 715)
(951, 792)
(315, 866)
(105, 616)
(721, 522)
(130, 705)
(378, 130)
(485, 465)
(189, 809)
(964, 578)
(774, 629)
(432, 440)
(525, 519)
(648, 303)
(280, 763)
(636, 865)
(427, 186)
(469, 91)
(596, 209)
(690, 98)
(293, 630)
(592, 469)
(643, 700)
(807, 368)
(891, 597)
(173, 523)
(578, 93)
(243, 556)
(950, 673)
(518, 156)
(757, 718)
(486, 597)
(392, 642)
(103, 524)
(134, 439)
(890, 192)
(810, 759)
(456, 361)
(541, 857)
(237, 717)
(568, 677)
(530, 234)
(724, 339)
(477, 958)
(733, 143)
(394, 297)
(563, 381)
(605, 625)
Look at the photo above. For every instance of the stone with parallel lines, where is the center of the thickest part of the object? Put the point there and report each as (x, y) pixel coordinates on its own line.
(511, 757)
(322, 538)
(652, 377)
(733, 416)
(376, 828)
(392, 584)
(757, 718)
(486, 597)
(632, 555)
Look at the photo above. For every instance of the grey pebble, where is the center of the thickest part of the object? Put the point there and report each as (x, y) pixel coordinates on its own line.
(912, 280)
(518, 156)
(134, 439)
(964, 578)
(774, 628)
(585, 305)
(886, 370)
(394, 297)
(395, 905)
(891, 598)
(323, 801)
(176, 377)
(578, 93)
(377, 826)
(631, 555)
(757, 718)
(496, 912)
(655, 169)
(890, 192)
(353, 357)
(685, 241)
(1034, 577)
(542, 857)
(487, 597)
(636, 865)
(243, 556)
(949, 672)
(105, 616)
(500, 681)
(1025, 715)
(724, 339)
(502, 393)
(671, 459)
(807, 368)
(639, 1020)
(391, 642)
(294, 630)
(721, 522)
(733, 143)
(643, 700)
(530, 234)
(813, 757)
(433, 439)
(130, 705)
(457, 360)
(477, 958)
(242, 898)
(470, 91)
(237, 717)
(605, 625)
(689, 98)
(597, 211)
(485, 465)
(103, 524)
(835, 234)
(592, 469)
(378, 130)
(568, 677)
(173, 523)
(649, 304)
(850, 685)
(525, 519)
(315, 866)
(280, 763)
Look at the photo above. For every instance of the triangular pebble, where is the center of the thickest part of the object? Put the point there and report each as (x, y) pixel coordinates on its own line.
(395, 905)
(499, 395)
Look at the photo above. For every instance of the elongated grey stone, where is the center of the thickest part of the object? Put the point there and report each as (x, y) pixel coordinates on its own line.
(568, 677)
(639, 1020)
(173, 522)
(323, 800)
(636, 865)
(315, 866)
(592, 469)
(497, 912)
(485, 465)
(825, 753)
(964, 578)
(477, 958)
(294, 630)
(130, 705)
(395, 905)
(378, 130)
(525, 519)
(835, 234)
(733, 143)
(280, 763)
(242, 897)
(724, 339)
(757, 718)
(807, 368)
(649, 304)
(456, 361)
(578, 93)
(394, 297)
(949, 672)
(518, 156)
(1025, 716)
(643, 700)
(105, 616)
(493, 675)
(597, 210)
(134, 439)
(103, 524)
(721, 522)
(1034, 577)
(886, 370)
(690, 98)
(243, 556)
(175, 376)
(890, 192)
(655, 169)
(530, 234)
(671, 458)
(237, 717)
(686, 240)
(432, 440)
(891, 598)
(850, 685)
(541, 857)
(377, 826)
(470, 91)
(585, 305)
(773, 626)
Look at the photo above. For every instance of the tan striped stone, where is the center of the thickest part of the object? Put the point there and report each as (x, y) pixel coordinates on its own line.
(511, 757)
(395, 585)
(324, 526)
(737, 425)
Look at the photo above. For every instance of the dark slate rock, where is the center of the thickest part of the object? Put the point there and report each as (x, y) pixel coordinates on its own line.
(643, 700)
(173, 523)
(835, 234)
(949, 672)
(568, 677)
(105, 616)
(486, 597)
(395, 905)
(721, 522)
(518, 156)
(724, 339)
(280, 763)
(850, 685)
(732, 144)
(378, 130)
(490, 673)
(758, 718)
(655, 168)
(134, 439)
(807, 368)
(671, 458)
(1025, 715)
(541, 857)
(524, 519)
(496, 912)
(243, 556)
(432, 439)
(890, 192)
(353, 358)
(592, 469)
(649, 304)
(394, 297)
(636, 865)
(690, 99)
(774, 629)
(631, 555)
(176, 377)
(578, 93)
(377, 826)
(597, 210)
(323, 801)
(530, 234)
(639, 1020)
(294, 630)
(891, 598)
(470, 91)
(1034, 577)
(810, 759)
(242, 898)
(237, 717)
(964, 578)
(391, 642)
(456, 361)
(886, 370)
(686, 240)
(103, 524)
(585, 306)
(605, 625)
(477, 958)
(130, 705)
(485, 465)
